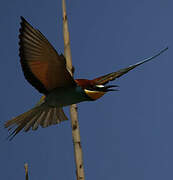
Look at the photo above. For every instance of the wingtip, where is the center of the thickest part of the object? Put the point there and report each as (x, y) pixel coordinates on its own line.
(165, 49)
(21, 23)
(22, 18)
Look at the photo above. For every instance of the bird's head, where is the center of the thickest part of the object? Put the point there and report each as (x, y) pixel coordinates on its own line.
(93, 90)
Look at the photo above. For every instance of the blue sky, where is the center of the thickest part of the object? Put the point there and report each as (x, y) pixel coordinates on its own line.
(126, 134)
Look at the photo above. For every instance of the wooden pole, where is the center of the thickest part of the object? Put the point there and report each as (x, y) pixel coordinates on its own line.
(73, 108)
(26, 171)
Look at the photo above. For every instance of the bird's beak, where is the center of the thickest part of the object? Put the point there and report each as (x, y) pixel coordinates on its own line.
(109, 88)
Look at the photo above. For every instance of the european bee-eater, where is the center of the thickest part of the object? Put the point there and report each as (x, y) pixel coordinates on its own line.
(46, 70)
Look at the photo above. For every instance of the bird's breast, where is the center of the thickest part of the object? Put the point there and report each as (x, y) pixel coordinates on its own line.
(66, 96)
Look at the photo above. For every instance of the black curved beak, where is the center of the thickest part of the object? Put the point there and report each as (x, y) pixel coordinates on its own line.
(109, 88)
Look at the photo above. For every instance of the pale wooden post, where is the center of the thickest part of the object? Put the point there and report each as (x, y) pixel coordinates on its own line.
(73, 108)
(26, 171)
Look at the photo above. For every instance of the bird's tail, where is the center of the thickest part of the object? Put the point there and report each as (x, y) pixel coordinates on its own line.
(43, 115)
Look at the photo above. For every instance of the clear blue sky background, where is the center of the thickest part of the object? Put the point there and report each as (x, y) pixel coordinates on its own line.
(126, 134)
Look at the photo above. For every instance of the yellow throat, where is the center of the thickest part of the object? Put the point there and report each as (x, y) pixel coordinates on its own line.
(94, 94)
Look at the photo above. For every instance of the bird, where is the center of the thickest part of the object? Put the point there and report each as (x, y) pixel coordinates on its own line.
(47, 72)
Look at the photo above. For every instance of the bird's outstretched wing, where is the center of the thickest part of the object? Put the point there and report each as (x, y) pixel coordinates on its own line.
(112, 76)
(41, 64)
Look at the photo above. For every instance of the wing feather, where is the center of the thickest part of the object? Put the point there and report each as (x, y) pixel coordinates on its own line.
(43, 67)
